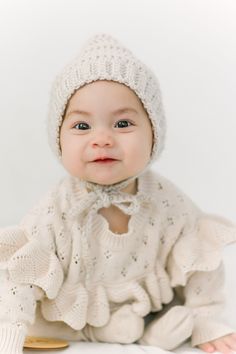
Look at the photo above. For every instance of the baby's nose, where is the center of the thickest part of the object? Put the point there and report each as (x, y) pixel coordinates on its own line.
(102, 138)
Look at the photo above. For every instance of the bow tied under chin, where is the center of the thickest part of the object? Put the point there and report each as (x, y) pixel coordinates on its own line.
(95, 200)
(128, 203)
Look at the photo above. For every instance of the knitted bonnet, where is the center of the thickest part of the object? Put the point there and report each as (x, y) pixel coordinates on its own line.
(104, 58)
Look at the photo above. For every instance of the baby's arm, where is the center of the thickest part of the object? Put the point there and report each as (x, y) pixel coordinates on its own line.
(29, 270)
(18, 295)
(204, 294)
(194, 263)
(17, 310)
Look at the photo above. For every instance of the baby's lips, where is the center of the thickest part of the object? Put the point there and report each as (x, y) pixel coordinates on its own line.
(104, 158)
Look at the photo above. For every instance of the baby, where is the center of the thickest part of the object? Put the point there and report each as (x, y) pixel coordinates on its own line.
(115, 252)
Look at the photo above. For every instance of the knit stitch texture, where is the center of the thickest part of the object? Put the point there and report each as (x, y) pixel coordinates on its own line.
(171, 248)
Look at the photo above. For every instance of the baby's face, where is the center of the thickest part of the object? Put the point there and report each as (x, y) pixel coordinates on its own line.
(106, 135)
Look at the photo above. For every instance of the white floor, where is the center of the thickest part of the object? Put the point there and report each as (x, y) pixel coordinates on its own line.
(103, 348)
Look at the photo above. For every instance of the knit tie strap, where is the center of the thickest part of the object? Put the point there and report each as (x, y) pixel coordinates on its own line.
(95, 200)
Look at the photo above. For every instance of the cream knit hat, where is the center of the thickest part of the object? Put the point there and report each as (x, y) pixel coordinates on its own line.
(104, 58)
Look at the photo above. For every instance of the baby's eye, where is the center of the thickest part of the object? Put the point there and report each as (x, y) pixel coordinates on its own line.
(123, 123)
(81, 126)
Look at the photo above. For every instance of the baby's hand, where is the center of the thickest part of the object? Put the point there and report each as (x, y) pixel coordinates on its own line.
(225, 345)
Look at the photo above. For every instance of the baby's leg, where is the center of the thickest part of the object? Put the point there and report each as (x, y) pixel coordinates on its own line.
(124, 327)
(170, 330)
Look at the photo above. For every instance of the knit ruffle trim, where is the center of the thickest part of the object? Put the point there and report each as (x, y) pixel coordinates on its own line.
(200, 247)
(70, 301)
(77, 305)
(30, 262)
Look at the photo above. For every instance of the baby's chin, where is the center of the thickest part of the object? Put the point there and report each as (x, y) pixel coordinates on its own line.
(107, 180)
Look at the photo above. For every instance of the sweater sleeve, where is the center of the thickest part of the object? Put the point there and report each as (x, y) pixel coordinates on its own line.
(203, 294)
(17, 309)
(196, 270)
(29, 271)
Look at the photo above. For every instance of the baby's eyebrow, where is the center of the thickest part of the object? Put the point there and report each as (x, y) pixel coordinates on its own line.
(115, 112)
(125, 110)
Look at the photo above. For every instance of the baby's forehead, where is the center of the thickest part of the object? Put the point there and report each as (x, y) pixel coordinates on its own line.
(112, 95)
(114, 87)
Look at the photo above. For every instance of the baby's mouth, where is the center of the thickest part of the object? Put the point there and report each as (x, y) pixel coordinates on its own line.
(105, 160)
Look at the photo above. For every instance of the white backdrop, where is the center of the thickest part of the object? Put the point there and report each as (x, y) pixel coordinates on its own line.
(190, 44)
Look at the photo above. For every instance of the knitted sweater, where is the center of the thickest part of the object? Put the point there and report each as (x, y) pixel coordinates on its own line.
(64, 255)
